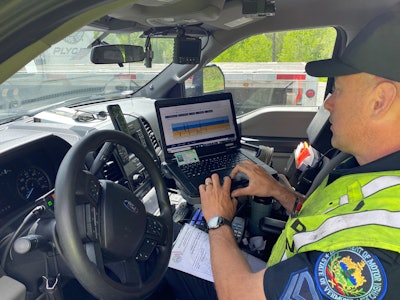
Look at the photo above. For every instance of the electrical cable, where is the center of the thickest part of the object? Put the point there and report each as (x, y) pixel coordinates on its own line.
(33, 213)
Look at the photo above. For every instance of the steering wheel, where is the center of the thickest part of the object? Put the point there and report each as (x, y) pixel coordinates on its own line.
(105, 234)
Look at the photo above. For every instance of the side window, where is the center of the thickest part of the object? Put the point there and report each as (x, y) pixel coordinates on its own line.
(269, 69)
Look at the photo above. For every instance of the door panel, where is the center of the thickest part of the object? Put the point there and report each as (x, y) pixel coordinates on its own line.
(282, 128)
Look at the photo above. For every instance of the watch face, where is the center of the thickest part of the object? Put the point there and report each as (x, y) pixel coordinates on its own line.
(213, 222)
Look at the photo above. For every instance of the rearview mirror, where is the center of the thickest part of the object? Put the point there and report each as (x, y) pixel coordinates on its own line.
(116, 54)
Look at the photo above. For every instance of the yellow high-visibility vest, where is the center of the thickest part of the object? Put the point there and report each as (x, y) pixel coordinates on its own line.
(354, 210)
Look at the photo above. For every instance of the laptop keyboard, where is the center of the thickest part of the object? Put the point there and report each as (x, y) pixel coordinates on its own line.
(210, 165)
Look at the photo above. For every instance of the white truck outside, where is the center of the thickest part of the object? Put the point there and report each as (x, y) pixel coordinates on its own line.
(256, 85)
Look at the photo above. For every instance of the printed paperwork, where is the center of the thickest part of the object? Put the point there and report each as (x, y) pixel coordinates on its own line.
(191, 254)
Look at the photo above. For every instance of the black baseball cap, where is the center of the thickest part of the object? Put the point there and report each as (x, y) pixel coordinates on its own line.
(375, 50)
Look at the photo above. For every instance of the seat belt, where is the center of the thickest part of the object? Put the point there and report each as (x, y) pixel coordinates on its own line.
(326, 169)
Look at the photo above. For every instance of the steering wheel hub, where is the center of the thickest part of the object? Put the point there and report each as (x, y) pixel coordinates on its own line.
(121, 214)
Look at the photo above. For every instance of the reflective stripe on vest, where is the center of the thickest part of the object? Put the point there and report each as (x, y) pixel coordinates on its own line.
(335, 224)
(357, 219)
(379, 184)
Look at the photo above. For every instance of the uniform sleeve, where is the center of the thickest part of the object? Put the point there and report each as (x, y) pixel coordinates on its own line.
(350, 273)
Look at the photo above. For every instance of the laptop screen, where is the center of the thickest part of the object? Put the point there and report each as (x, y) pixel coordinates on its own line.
(197, 122)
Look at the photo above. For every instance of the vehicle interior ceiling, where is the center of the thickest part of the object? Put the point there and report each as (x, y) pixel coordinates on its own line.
(219, 23)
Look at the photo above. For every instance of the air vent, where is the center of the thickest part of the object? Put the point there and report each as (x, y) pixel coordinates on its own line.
(112, 172)
(152, 136)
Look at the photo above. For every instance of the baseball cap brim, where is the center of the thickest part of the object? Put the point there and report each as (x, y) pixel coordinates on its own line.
(329, 68)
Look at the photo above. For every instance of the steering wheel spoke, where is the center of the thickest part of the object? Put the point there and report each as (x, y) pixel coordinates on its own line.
(95, 255)
(127, 272)
(156, 229)
(88, 222)
(155, 235)
(88, 188)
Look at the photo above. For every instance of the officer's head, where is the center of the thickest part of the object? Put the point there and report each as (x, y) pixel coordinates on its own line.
(365, 100)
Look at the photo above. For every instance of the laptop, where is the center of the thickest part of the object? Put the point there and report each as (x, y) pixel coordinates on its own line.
(196, 131)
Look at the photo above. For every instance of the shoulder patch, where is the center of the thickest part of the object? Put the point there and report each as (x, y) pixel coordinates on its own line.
(301, 286)
(351, 273)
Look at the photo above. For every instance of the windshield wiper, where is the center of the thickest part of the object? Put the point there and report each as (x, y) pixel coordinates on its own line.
(76, 101)
(95, 99)
(12, 118)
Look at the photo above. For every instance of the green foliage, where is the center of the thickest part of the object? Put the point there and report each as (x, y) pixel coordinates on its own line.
(290, 46)
(307, 45)
(213, 79)
(254, 49)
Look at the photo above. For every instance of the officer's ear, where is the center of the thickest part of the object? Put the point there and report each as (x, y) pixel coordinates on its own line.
(385, 93)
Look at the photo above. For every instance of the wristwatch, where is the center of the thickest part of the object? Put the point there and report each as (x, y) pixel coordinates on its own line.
(216, 222)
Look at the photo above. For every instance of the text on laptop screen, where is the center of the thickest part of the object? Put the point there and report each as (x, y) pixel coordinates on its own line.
(194, 125)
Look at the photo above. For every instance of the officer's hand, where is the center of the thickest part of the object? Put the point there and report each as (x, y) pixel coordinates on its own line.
(216, 199)
(261, 183)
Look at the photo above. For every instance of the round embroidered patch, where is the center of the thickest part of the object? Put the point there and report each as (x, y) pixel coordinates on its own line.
(351, 273)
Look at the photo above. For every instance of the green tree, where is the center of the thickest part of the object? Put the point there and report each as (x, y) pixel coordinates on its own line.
(277, 42)
(288, 46)
(307, 45)
(163, 50)
(254, 49)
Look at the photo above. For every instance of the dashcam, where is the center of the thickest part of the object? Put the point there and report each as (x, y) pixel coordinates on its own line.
(187, 50)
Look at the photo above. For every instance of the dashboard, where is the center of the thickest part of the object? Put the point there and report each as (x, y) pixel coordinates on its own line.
(28, 171)
(32, 150)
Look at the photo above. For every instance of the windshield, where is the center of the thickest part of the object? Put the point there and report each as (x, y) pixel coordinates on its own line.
(64, 75)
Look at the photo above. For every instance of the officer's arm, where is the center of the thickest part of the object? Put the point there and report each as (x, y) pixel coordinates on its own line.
(232, 274)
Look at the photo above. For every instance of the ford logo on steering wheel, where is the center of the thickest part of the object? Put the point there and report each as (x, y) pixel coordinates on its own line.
(129, 205)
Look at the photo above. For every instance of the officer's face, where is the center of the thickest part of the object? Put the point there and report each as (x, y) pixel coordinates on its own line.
(348, 111)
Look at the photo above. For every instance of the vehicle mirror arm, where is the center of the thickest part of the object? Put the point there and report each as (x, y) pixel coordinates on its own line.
(99, 40)
(148, 58)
